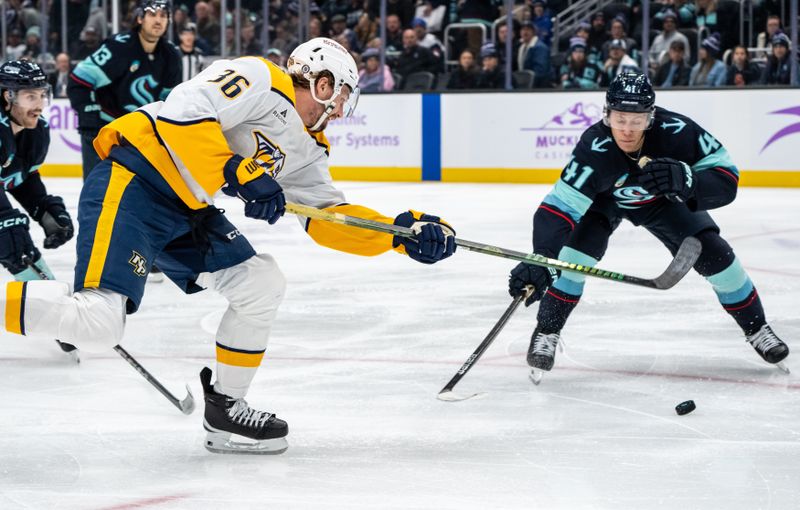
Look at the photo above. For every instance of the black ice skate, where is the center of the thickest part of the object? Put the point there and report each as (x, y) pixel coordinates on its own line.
(771, 348)
(71, 350)
(225, 416)
(542, 353)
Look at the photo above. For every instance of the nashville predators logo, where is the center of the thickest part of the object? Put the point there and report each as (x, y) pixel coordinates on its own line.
(268, 154)
(139, 264)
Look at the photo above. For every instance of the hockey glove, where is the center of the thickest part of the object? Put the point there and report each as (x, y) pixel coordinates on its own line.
(540, 278)
(669, 177)
(52, 215)
(15, 241)
(262, 195)
(433, 241)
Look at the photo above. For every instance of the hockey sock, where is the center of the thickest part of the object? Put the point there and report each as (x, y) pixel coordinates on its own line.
(554, 310)
(739, 297)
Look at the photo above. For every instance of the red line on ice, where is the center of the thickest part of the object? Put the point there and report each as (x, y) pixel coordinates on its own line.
(144, 503)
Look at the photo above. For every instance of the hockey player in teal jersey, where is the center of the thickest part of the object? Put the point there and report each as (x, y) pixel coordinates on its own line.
(689, 172)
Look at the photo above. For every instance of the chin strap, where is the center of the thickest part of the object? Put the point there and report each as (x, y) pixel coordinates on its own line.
(330, 104)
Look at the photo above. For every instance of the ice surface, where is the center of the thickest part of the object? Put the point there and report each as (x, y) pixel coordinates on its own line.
(362, 346)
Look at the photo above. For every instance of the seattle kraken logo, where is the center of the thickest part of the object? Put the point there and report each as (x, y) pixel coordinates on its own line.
(268, 154)
(142, 91)
(139, 264)
(632, 197)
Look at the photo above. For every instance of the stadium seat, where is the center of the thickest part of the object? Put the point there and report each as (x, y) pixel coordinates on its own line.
(421, 81)
(524, 79)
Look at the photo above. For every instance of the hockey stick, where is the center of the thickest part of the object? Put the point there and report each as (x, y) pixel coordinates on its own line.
(446, 393)
(186, 405)
(680, 265)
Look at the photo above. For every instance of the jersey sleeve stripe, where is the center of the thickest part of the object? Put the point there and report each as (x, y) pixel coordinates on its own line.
(569, 200)
(719, 159)
(90, 73)
(559, 214)
(186, 122)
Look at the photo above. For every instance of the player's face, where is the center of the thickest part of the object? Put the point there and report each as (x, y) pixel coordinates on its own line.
(628, 129)
(341, 104)
(27, 106)
(154, 24)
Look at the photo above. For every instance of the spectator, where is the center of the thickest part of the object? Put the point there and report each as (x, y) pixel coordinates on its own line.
(403, 9)
(502, 36)
(15, 48)
(618, 32)
(491, 75)
(675, 71)
(97, 19)
(684, 11)
(742, 72)
(618, 61)
(433, 16)
(709, 71)
(355, 11)
(720, 18)
(191, 56)
(466, 74)
(542, 19)
(598, 34)
(275, 56)
(371, 79)
(366, 29)
(284, 41)
(426, 39)
(764, 39)
(314, 28)
(663, 41)
(250, 44)
(527, 40)
(414, 57)
(394, 33)
(33, 43)
(578, 72)
(778, 68)
(59, 78)
(89, 43)
(537, 58)
(207, 28)
(339, 29)
(180, 17)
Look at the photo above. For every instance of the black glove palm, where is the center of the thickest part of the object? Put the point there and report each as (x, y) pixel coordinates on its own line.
(669, 177)
(540, 278)
(52, 215)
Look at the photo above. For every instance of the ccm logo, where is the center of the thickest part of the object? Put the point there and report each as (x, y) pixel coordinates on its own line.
(11, 222)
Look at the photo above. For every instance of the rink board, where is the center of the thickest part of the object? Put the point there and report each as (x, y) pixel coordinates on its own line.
(512, 137)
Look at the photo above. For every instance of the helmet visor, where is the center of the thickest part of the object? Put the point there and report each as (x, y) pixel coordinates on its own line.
(349, 106)
(629, 121)
(32, 99)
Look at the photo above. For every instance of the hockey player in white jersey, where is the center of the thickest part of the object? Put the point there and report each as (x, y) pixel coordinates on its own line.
(256, 132)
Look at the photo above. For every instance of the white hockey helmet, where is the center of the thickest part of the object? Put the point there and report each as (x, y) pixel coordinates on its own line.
(322, 54)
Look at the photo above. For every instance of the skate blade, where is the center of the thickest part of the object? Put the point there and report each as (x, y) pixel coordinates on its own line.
(782, 367)
(219, 442)
(449, 396)
(536, 376)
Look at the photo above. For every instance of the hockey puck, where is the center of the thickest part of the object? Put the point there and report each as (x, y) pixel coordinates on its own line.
(685, 407)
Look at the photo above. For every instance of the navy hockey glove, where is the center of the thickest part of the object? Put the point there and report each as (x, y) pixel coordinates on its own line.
(541, 278)
(15, 241)
(52, 215)
(669, 177)
(434, 238)
(262, 195)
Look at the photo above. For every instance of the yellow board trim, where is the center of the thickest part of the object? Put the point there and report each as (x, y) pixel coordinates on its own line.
(120, 178)
(14, 307)
(239, 359)
(376, 173)
(749, 178)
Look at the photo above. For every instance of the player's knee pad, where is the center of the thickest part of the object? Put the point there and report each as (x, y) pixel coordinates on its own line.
(92, 319)
(717, 254)
(99, 323)
(254, 288)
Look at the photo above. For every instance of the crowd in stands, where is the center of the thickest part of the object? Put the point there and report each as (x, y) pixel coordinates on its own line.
(421, 54)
